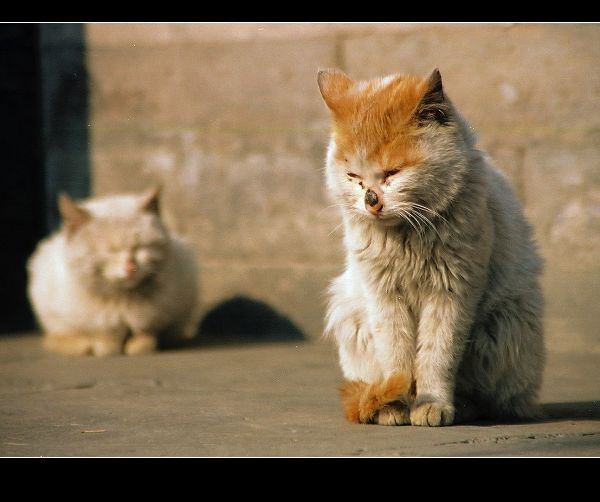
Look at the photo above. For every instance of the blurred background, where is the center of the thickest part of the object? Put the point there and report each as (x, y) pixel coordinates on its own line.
(228, 118)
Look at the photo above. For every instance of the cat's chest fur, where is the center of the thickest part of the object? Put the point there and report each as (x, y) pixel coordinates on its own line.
(398, 262)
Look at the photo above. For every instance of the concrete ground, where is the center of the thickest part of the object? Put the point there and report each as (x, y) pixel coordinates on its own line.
(269, 399)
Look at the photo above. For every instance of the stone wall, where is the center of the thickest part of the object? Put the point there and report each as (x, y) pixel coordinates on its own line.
(229, 119)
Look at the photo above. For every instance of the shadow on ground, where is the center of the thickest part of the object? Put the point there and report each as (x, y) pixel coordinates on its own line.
(550, 412)
(241, 320)
(583, 410)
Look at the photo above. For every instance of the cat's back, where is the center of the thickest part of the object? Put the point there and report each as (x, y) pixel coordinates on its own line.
(47, 269)
(515, 263)
(48, 258)
(184, 256)
(112, 206)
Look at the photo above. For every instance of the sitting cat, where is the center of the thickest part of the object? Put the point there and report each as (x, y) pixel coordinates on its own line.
(438, 314)
(112, 279)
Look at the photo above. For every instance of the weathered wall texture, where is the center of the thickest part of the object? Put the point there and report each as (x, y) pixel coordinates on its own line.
(229, 118)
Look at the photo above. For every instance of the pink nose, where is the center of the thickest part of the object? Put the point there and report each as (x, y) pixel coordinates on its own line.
(373, 201)
(130, 267)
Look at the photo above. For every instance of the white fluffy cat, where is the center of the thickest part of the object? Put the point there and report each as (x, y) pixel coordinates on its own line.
(112, 279)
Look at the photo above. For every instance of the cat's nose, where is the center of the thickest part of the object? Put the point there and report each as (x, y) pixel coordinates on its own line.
(373, 201)
(130, 267)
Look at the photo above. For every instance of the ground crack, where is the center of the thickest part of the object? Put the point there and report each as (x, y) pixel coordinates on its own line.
(501, 439)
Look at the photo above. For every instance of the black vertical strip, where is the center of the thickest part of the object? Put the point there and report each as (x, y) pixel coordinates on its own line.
(44, 143)
(65, 122)
(22, 199)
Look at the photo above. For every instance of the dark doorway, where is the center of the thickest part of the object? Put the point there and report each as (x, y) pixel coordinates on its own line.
(44, 147)
(22, 187)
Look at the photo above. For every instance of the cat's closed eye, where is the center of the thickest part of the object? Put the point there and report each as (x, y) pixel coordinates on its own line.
(353, 175)
(390, 172)
(150, 253)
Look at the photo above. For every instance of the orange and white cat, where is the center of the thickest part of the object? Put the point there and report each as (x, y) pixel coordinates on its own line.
(438, 314)
(113, 279)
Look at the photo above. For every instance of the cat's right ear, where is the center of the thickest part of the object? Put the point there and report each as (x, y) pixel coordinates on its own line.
(334, 85)
(151, 200)
(433, 106)
(73, 216)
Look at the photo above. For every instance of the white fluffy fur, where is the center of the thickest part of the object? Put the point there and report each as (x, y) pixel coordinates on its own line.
(455, 303)
(83, 313)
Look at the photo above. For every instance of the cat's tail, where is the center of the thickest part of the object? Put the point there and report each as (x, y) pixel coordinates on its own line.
(362, 401)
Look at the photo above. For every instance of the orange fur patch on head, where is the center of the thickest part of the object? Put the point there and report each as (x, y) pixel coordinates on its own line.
(362, 400)
(376, 117)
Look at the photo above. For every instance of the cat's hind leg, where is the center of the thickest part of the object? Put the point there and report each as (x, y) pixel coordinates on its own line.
(466, 411)
(109, 343)
(141, 343)
(84, 344)
(68, 344)
(506, 359)
(104, 346)
(518, 407)
(515, 397)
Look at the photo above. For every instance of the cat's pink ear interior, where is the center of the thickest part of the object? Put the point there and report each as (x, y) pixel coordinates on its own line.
(73, 216)
(151, 201)
(334, 85)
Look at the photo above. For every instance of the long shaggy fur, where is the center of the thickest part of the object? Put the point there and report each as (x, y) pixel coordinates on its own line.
(441, 282)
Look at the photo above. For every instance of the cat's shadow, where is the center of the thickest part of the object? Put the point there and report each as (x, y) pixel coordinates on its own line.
(576, 410)
(241, 321)
(552, 412)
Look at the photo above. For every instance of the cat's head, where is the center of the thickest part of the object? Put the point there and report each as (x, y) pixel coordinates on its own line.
(116, 242)
(397, 146)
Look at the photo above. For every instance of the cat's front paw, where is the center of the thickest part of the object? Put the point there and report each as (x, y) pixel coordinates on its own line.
(384, 402)
(396, 413)
(107, 346)
(431, 414)
(141, 344)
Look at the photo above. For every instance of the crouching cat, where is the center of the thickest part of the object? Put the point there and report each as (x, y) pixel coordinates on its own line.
(112, 279)
(438, 314)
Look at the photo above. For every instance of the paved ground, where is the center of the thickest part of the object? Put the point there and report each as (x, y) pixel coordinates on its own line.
(276, 399)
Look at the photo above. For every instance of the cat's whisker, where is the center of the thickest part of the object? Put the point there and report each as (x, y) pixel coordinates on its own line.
(363, 249)
(418, 217)
(337, 227)
(405, 216)
(353, 217)
(427, 221)
(428, 209)
(417, 221)
(337, 204)
(423, 219)
(411, 218)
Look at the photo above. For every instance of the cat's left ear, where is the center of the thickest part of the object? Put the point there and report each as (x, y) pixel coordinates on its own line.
(73, 215)
(334, 85)
(433, 106)
(151, 201)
